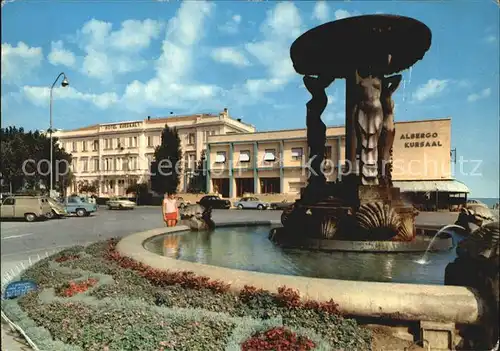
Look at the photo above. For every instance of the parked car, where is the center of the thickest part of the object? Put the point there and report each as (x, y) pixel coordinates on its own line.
(251, 202)
(120, 203)
(75, 205)
(214, 202)
(30, 208)
(58, 209)
(280, 205)
(181, 203)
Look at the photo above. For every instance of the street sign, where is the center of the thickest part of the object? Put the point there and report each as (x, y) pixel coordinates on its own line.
(19, 288)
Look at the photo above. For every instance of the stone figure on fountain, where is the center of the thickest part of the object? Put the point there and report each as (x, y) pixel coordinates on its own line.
(316, 129)
(476, 266)
(363, 205)
(386, 140)
(197, 217)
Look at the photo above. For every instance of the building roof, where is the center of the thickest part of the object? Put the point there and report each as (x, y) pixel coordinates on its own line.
(333, 127)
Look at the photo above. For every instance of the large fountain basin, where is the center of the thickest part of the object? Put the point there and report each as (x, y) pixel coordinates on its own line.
(407, 302)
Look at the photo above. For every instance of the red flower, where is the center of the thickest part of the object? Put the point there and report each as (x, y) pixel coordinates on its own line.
(278, 338)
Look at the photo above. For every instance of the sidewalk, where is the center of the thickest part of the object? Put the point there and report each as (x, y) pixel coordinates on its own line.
(12, 341)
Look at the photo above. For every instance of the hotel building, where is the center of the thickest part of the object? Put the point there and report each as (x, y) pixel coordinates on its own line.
(240, 160)
(115, 155)
(273, 162)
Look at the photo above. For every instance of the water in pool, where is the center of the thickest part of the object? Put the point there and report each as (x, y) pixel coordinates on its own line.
(248, 248)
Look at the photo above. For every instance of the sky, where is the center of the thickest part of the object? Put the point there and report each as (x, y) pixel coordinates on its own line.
(126, 60)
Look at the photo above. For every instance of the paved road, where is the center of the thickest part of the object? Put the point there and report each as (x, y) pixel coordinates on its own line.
(20, 240)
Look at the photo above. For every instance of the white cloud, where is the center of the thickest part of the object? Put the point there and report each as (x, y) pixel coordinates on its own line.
(116, 52)
(135, 35)
(230, 55)
(490, 39)
(432, 88)
(172, 85)
(19, 61)
(60, 56)
(281, 27)
(232, 26)
(321, 12)
(340, 14)
(40, 96)
(483, 94)
(331, 99)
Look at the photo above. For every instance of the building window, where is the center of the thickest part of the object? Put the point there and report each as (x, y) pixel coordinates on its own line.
(85, 162)
(132, 142)
(74, 164)
(270, 155)
(121, 143)
(150, 141)
(96, 165)
(297, 153)
(133, 163)
(191, 138)
(74, 147)
(109, 164)
(220, 157)
(95, 145)
(212, 132)
(84, 145)
(244, 156)
(108, 144)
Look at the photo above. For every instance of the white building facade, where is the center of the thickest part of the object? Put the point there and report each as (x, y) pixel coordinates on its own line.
(115, 155)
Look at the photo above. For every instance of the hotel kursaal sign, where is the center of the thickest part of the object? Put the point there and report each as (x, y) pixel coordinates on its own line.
(122, 126)
(421, 140)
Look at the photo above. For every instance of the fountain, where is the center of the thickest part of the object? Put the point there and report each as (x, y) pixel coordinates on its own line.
(363, 207)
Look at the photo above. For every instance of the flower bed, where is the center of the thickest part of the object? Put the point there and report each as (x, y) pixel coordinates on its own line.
(98, 300)
(278, 338)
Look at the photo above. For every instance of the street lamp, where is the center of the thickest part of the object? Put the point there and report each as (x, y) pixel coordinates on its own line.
(64, 84)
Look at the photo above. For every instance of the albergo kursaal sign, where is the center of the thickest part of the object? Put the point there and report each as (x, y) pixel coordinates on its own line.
(421, 140)
(19, 288)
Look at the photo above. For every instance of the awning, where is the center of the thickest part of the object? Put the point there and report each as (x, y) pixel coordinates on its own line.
(220, 158)
(244, 157)
(269, 156)
(424, 186)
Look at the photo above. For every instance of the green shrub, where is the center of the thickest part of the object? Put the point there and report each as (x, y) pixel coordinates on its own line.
(46, 277)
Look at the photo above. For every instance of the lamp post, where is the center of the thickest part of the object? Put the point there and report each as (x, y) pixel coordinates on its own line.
(64, 84)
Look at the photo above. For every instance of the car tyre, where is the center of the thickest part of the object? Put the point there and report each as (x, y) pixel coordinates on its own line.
(240, 207)
(81, 212)
(30, 217)
(51, 215)
(260, 207)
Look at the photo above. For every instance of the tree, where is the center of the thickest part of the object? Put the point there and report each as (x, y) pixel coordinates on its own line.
(166, 167)
(141, 191)
(199, 181)
(86, 187)
(26, 159)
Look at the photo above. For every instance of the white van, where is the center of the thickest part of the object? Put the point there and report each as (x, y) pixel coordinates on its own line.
(30, 208)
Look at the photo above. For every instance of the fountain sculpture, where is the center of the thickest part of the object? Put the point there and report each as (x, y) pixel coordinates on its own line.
(476, 266)
(368, 52)
(197, 217)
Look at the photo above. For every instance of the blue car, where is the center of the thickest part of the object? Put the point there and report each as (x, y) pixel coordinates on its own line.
(74, 205)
